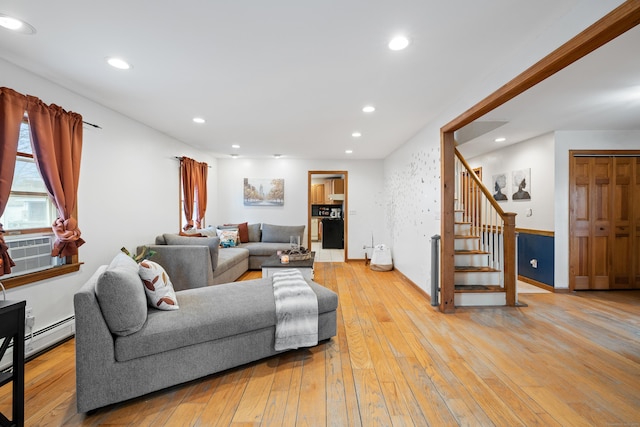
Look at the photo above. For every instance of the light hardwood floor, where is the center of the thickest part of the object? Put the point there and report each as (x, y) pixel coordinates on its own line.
(565, 359)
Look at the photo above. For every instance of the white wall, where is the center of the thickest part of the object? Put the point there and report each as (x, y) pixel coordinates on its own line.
(536, 154)
(128, 190)
(578, 140)
(365, 181)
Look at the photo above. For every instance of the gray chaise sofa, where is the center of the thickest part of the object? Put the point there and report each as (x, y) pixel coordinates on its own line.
(215, 328)
(218, 265)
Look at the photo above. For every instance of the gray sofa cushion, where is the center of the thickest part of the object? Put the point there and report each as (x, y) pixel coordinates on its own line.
(212, 242)
(210, 313)
(281, 233)
(254, 232)
(121, 296)
(264, 249)
(228, 257)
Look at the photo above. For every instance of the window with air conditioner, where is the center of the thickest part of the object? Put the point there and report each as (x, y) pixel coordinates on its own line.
(29, 214)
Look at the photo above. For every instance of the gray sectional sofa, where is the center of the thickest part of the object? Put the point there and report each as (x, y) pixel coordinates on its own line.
(125, 349)
(201, 260)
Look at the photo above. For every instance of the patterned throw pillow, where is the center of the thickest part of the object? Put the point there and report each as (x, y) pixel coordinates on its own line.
(243, 231)
(228, 238)
(157, 286)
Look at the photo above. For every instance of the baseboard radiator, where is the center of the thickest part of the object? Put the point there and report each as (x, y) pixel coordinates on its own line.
(41, 340)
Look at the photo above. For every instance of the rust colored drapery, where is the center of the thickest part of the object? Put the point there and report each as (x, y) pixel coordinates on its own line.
(188, 188)
(194, 188)
(12, 108)
(56, 137)
(201, 189)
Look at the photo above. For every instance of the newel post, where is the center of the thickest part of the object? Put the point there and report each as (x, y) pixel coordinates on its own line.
(447, 223)
(510, 257)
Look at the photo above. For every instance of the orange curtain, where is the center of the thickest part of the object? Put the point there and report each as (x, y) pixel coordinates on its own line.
(56, 137)
(194, 189)
(201, 188)
(188, 171)
(12, 108)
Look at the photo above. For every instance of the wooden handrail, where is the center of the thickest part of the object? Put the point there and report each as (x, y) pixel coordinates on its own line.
(507, 229)
(480, 185)
(615, 23)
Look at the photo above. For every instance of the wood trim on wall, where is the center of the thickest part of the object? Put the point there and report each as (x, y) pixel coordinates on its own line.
(536, 232)
(537, 284)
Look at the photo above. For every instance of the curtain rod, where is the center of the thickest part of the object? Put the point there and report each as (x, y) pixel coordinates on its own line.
(91, 124)
(180, 158)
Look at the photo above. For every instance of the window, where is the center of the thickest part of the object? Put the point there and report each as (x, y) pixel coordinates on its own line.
(29, 207)
(27, 221)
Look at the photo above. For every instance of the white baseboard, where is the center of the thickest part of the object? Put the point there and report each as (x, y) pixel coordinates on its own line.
(42, 339)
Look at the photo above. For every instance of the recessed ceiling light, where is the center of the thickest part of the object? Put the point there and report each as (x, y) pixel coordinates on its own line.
(501, 139)
(277, 156)
(398, 43)
(234, 155)
(368, 109)
(199, 120)
(356, 134)
(348, 151)
(118, 63)
(14, 24)
(235, 146)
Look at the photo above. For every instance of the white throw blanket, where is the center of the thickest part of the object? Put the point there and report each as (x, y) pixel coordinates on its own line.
(296, 311)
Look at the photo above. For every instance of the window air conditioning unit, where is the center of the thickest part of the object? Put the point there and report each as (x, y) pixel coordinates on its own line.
(30, 253)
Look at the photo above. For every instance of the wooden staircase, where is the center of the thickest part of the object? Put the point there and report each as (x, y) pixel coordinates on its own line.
(479, 267)
(477, 280)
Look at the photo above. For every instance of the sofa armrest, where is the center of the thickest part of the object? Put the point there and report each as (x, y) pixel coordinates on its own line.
(95, 353)
(187, 266)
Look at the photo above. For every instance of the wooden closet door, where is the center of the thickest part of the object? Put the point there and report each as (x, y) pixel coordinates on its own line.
(623, 239)
(590, 223)
(604, 226)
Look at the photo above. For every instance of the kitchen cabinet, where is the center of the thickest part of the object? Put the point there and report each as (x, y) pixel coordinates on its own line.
(337, 186)
(317, 194)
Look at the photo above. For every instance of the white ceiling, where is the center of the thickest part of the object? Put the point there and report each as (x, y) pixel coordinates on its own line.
(599, 92)
(284, 76)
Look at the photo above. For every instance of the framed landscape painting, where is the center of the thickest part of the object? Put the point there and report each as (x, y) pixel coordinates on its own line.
(263, 192)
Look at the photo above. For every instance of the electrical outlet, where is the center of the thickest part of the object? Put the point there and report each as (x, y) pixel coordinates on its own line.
(28, 312)
(29, 322)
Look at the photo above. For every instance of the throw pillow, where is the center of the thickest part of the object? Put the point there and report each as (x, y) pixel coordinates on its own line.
(228, 238)
(208, 232)
(255, 235)
(157, 286)
(243, 231)
(121, 296)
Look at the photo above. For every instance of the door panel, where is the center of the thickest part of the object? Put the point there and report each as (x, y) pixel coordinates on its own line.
(604, 214)
(579, 274)
(622, 213)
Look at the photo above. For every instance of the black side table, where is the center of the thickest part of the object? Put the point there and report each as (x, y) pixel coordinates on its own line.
(12, 327)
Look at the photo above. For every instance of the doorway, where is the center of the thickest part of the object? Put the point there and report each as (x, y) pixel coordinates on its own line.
(604, 220)
(327, 219)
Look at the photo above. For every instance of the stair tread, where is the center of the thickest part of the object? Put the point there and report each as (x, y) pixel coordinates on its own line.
(465, 236)
(479, 288)
(471, 252)
(474, 269)
(463, 222)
